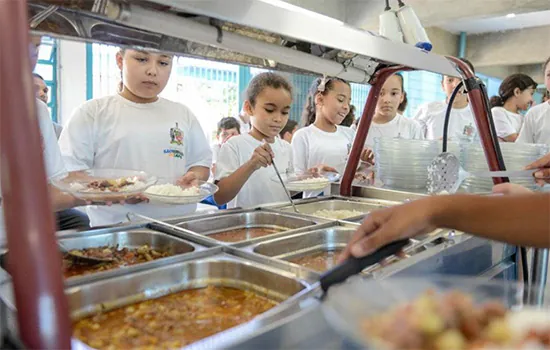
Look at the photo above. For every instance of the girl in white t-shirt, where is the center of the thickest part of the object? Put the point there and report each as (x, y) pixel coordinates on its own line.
(387, 122)
(244, 171)
(536, 127)
(515, 94)
(323, 143)
(138, 130)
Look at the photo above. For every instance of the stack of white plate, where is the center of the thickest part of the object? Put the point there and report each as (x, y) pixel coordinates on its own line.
(403, 164)
(516, 157)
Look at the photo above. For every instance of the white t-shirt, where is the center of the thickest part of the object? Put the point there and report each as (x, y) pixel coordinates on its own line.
(312, 146)
(244, 126)
(53, 160)
(260, 187)
(431, 117)
(536, 127)
(162, 138)
(506, 122)
(399, 126)
(215, 148)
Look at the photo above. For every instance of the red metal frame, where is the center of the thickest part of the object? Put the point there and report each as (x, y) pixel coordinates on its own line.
(477, 104)
(34, 260)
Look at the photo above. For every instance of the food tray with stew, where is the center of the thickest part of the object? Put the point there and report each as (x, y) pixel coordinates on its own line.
(127, 250)
(245, 227)
(335, 208)
(174, 305)
(318, 250)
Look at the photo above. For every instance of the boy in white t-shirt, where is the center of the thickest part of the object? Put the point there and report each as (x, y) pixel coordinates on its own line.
(244, 171)
(138, 130)
(227, 128)
(536, 128)
(431, 116)
(515, 94)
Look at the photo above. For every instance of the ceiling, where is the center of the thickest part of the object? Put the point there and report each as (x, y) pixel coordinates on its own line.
(498, 23)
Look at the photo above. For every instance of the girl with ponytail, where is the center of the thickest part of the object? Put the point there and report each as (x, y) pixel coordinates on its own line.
(514, 95)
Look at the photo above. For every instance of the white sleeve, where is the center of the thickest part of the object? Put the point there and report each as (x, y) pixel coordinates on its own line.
(198, 150)
(53, 160)
(526, 134)
(502, 124)
(77, 139)
(228, 161)
(416, 131)
(300, 152)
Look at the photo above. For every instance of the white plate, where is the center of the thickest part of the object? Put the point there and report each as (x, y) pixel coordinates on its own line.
(78, 183)
(205, 189)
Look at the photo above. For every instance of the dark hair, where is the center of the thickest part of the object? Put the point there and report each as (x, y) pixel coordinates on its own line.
(309, 112)
(403, 106)
(290, 125)
(508, 85)
(228, 123)
(36, 75)
(264, 80)
(350, 118)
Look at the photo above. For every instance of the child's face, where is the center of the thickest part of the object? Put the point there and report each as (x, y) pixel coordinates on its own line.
(449, 84)
(227, 133)
(270, 112)
(41, 89)
(335, 104)
(547, 77)
(525, 98)
(390, 97)
(145, 74)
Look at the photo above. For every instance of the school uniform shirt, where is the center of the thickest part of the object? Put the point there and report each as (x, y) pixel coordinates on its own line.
(53, 161)
(260, 188)
(244, 126)
(431, 117)
(162, 138)
(312, 146)
(506, 122)
(536, 126)
(399, 126)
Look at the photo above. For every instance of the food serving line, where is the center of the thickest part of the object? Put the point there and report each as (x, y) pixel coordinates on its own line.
(34, 311)
(281, 265)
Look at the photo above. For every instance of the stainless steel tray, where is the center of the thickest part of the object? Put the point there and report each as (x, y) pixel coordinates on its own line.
(214, 267)
(200, 230)
(309, 207)
(122, 237)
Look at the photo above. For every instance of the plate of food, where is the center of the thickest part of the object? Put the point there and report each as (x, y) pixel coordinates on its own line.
(437, 312)
(307, 181)
(104, 185)
(168, 191)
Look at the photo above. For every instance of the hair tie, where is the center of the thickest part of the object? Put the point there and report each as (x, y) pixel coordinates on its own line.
(322, 84)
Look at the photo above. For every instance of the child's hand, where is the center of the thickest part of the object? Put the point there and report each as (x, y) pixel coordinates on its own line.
(367, 155)
(188, 180)
(262, 157)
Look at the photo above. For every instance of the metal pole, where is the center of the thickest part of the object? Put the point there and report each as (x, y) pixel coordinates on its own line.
(34, 261)
(539, 276)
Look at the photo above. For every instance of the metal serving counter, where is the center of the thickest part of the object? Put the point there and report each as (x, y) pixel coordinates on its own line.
(273, 264)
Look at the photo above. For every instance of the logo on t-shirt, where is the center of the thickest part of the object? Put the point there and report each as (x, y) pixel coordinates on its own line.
(468, 130)
(174, 153)
(176, 136)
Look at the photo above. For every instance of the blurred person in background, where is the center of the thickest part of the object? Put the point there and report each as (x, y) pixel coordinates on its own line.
(42, 93)
(288, 131)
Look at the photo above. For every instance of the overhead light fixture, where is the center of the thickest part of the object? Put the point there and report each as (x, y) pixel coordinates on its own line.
(511, 15)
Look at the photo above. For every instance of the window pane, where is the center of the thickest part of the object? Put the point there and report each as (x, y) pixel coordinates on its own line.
(45, 70)
(45, 52)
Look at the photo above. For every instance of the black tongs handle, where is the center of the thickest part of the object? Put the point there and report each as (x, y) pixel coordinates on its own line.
(353, 266)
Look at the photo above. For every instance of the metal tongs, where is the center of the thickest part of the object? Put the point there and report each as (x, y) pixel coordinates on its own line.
(284, 186)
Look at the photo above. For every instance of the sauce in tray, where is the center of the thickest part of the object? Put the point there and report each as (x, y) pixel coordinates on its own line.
(320, 261)
(242, 234)
(171, 321)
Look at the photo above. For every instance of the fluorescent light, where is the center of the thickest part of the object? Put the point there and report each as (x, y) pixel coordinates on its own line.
(511, 15)
(288, 6)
